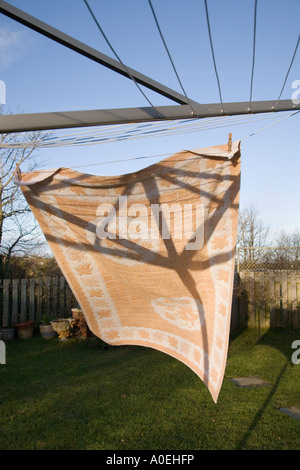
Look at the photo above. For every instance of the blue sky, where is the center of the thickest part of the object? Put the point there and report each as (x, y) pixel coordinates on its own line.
(42, 76)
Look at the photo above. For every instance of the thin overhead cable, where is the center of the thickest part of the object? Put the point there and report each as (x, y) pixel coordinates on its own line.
(123, 160)
(116, 55)
(103, 137)
(271, 125)
(169, 55)
(167, 154)
(145, 131)
(253, 54)
(289, 69)
(127, 131)
(213, 53)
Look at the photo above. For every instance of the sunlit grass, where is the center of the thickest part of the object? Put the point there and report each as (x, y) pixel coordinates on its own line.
(67, 395)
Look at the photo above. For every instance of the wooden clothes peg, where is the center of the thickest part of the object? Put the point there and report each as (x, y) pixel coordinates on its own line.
(229, 142)
(17, 170)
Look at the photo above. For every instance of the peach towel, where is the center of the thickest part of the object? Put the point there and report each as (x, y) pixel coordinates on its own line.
(134, 283)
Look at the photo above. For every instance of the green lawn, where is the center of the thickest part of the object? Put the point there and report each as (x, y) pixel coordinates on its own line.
(72, 395)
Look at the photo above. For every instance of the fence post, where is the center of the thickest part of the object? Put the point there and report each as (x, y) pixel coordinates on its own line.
(55, 297)
(6, 299)
(235, 306)
(293, 299)
(48, 294)
(62, 296)
(262, 310)
(298, 303)
(271, 300)
(69, 295)
(24, 283)
(32, 299)
(251, 304)
(39, 300)
(278, 312)
(15, 301)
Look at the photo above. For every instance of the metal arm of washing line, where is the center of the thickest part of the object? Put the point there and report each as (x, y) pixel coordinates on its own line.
(100, 117)
(89, 52)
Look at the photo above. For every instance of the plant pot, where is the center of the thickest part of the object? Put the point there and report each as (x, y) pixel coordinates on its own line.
(47, 331)
(7, 334)
(77, 314)
(80, 325)
(24, 330)
(62, 327)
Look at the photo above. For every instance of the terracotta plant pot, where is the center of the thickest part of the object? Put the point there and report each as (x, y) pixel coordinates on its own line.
(24, 330)
(47, 331)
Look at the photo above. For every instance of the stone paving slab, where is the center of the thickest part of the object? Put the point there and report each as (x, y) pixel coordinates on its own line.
(293, 411)
(250, 382)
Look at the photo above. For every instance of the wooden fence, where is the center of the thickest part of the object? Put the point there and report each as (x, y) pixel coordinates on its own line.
(262, 299)
(267, 299)
(30, 299)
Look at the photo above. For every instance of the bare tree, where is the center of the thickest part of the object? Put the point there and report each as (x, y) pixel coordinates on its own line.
(288, 249)
(280, 252)
(19, 232)
(285, 239)
(252, 232)
(251, 229)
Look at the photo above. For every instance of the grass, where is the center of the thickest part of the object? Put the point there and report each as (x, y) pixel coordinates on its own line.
(70, 395)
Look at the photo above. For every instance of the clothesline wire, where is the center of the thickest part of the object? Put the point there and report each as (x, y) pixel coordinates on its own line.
(213, 53)
(116, 55)
(177, 126)
(176, 132)
(156, 124)
(167, 154)
(180, 128)
(120, 161)
(169, 55)
(125, 128)
(216, 127)
(289, 69)
(254, 50)
(273, 124)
